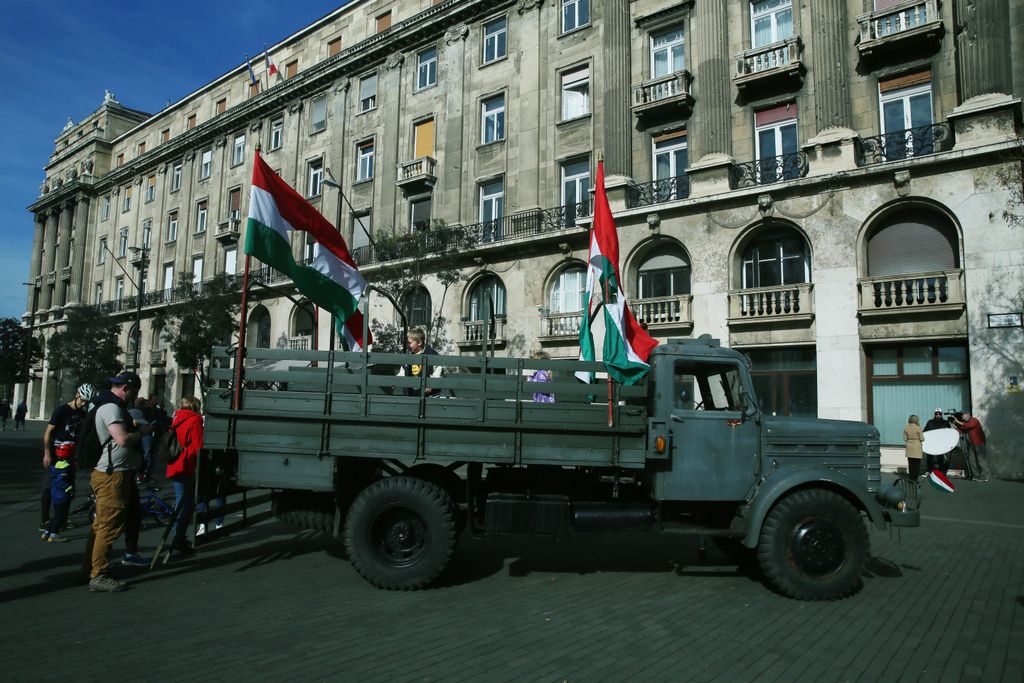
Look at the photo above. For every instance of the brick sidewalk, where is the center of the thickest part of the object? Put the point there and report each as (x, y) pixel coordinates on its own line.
(946, 603)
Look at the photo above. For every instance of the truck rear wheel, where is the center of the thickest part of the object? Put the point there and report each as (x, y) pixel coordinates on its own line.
(400, 533)
(813, 546)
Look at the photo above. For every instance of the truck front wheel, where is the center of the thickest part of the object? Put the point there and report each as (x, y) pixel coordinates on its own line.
(400, 533)
(813, 546)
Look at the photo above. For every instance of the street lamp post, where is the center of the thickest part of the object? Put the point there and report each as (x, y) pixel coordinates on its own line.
(140, 287)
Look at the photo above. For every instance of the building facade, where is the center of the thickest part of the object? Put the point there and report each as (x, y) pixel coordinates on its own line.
(821, 184)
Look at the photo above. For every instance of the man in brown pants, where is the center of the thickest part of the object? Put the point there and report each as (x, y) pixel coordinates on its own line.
(112, 479)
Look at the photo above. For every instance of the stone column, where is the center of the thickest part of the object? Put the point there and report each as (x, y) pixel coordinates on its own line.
(983, 47)
(49, 255)
(64, 251)
(828, 65)
(81, 247)
(616, 89)
(712, 125)
(36, 266)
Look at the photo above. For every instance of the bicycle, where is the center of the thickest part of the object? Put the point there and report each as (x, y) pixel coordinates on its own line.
(160, 509)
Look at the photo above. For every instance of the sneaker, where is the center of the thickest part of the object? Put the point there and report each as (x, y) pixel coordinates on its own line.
(45, 536)
(106, 584)
(201, 530)
(134, 560)
(218, 525)
(54, 538)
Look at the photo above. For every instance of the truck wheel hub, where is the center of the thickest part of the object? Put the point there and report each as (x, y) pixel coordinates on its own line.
(817, 547)
(399, 535)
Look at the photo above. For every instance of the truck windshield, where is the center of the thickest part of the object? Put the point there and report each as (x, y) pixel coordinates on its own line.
(707, 386)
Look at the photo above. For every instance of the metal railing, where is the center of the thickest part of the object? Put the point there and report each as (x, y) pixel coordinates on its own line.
(562, 324)
(769, 170)
(663, 311)
(473, 330)
(661, 89)
(658, 191)
(774, 56)
(765, 303)
(903, 144)
(911, 291)
(897, 19)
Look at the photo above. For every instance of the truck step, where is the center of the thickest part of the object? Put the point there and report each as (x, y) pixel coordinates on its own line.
(689, 529)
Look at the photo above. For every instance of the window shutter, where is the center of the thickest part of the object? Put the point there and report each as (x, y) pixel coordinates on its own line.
(783, 112)
(905, 81)
(679, 135)
(908, 245)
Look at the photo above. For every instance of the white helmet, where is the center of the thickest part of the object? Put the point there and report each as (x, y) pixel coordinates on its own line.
(86, 392)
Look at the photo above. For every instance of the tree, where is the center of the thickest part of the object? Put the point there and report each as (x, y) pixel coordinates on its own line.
(12, 352)
(202, 316)
(86, 349)
(1012, 177)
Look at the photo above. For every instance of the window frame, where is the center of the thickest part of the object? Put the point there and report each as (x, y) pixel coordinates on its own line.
(205, 165)
(317, 125)
(365, 161)
(431, 69)
(105, 204)
(150, 188)
(314, 177)
(573, 87)
(498, 115)
(172, 226)
(202, 215)
(126, 199)
(367, 104)
(176, 172)
(238, 149)
(579, 24)
(101, 253)
(774, 22)
(276, 134)
(147, 233)
(668, 48)
(494, 38)
(779, 256)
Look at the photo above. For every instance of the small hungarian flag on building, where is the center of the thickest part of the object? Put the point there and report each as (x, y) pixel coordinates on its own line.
(271, 69)
(331, 280)
(626, 345)
(940, 481)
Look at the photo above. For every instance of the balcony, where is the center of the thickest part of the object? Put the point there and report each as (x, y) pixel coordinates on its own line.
(158, 357)
(904, 144)
(911, 294)
(658, 192)
(664, 312)
(473, 333)
(770, 69)
(768, 305)
(901, 32)
(561, 326)
(418, 175)
(666, 95)
(769, 170)
(300, 343)
(227, 231)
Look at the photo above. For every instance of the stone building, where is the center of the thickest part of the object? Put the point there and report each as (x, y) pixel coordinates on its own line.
(821, 184)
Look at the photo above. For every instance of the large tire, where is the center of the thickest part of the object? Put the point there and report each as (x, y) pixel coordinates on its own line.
(813, 546)
(400, 533)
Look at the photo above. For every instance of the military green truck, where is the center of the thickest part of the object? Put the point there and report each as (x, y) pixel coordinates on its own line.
(399, 466)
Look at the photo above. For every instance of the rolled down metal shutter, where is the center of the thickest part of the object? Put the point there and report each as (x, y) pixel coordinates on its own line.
(912, 242)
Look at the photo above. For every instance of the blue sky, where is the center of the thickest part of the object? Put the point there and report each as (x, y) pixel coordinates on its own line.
(59, 56)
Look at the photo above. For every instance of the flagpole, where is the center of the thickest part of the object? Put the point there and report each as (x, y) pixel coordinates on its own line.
(608, 374)
(236, 402)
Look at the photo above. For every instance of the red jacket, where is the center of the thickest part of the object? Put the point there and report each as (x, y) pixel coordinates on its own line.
(188, 425)
(975, 434)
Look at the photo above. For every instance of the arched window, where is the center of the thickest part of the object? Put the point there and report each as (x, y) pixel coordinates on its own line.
(132, 342)
(416, 306)
(777, 257)
(917, 240)
(160, 339)
(488, 284)
(664, 271)
(569, 291)
(258, 328)
(303, 320)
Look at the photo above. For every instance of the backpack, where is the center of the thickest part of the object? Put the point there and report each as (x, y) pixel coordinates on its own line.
(89, 449)
(170, 447)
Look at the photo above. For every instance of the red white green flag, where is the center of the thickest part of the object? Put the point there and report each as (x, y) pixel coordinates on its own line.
(627, 346)
(331, 280)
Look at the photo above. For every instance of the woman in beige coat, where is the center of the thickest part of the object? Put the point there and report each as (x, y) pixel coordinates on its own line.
(914, 438)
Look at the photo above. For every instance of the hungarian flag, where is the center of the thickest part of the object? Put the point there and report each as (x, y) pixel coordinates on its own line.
(626, 345)
(331, 280)
(940, 481)
(271, 69)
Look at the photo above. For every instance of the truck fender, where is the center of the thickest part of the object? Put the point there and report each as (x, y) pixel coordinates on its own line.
(778, 485)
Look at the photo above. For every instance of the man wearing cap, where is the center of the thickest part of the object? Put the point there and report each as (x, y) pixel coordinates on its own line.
(113, 479)
(970, 426)
(931, 462)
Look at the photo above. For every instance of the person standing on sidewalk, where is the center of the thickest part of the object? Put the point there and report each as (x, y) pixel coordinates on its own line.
(113, 479)
(59, 462)
(188, 429)
(5, 414)
(970, 426)
(914, 438)
(19, 415)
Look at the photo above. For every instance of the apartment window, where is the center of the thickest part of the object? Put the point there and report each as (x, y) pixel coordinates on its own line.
(235, 204)
(105, 208)
(495, 40)
(118, 288)
(197, 269)
(310, 248)
(318, 114)
(168, 276)
(230, 260)
(101, 253)
(575, 189)
(367, 93)
(488, 285)
(665, 271)
(770, 21)
(254, 89)
(420, 209)
(384, 21)
(569, 293)
(190, 122)
(176, 177)
(276, 134)
(222, 106)
(780, 257)
(667, 52)
(122, 241)
(172, 226)
(426, 69)
(238, 150)
(201, 215)
(575, 13)
(575, 93)
(126, 198)
(141, 149)
(775, 135)
(205, 164)
(120, 160)
(364, 160)
(492, 209)
(147, 233)
(671, 159)
(150, 188)
(905, 109)
(165, 135)
(291, 69)
(423, 139)
(98, 294)
(333, 47)
(315, 178)
(362, 228)
(416, 306)
(492, 119)
(786, 383)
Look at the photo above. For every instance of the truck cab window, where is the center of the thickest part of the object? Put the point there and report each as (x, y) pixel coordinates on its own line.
(707, 386)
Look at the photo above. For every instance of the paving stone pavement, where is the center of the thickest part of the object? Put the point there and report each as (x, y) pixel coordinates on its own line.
(944, 602)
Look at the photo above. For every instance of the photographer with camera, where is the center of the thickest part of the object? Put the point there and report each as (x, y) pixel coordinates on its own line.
(969, 426)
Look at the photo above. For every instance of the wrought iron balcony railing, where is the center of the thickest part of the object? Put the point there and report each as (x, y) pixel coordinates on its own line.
(658, 191)
(769, 170)
(903, 144)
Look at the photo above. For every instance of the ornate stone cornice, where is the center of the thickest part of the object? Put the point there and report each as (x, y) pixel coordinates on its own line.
(394, 61)
(524, 6)
(455, 34)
